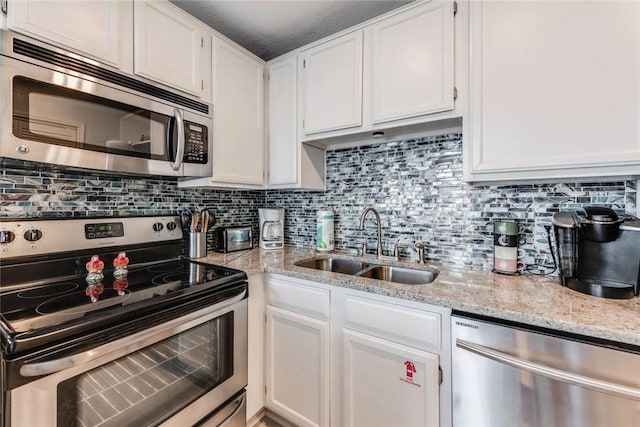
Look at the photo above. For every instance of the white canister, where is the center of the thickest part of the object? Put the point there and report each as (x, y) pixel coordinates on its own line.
(324, 237)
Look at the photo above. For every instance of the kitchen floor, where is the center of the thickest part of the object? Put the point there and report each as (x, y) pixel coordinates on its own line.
(267, 422)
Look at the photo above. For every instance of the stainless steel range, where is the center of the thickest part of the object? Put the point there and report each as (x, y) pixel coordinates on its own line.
(136, 339)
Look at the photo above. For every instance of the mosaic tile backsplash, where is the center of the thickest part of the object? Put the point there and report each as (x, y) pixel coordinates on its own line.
(33, 190)
(415, 184)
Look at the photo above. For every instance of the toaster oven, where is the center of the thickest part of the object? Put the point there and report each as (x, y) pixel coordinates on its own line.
(231, 239)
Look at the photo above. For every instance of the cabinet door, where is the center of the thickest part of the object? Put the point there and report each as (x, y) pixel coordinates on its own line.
(332, 84)
(168, 46)
(238, 116)
(411, 62)
(255, 330)
(297, 367)
(283, 141)
(554, 88)
(388, 384)
(90, 27)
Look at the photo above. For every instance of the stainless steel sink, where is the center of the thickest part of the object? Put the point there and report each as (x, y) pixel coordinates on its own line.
(407, 276)
(336, 265)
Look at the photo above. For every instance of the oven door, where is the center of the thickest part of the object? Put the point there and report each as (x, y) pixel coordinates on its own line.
(174, 374)
(53, 115)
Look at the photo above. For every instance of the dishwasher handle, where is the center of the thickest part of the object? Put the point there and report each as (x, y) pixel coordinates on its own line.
(549, 372)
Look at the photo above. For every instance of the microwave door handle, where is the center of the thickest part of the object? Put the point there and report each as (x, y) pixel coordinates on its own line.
(177, 164)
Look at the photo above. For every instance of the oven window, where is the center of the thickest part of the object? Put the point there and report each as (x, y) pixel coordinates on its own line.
(58, 115)
(148, 386)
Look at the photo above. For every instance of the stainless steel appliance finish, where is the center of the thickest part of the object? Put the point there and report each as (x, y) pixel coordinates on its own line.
(271, 228)
(512, 376)
(62, 109)
(109, 358)
(234, 414)
(231, 239)
(165, 345)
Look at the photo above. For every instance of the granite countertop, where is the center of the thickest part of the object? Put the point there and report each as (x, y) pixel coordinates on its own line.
(529, 299)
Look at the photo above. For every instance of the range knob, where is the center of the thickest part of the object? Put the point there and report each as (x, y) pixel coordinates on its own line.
(6, 236)
(171, 226)
(33, 235)
(158, 226)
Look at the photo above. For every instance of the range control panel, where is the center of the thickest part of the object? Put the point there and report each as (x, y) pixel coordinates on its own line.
(196, 143)
(49, 236)
(103, 230)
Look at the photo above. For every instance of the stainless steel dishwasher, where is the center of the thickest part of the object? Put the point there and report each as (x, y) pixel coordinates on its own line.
(505, 375)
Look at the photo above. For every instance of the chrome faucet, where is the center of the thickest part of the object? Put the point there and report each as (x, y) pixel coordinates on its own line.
(377, 215)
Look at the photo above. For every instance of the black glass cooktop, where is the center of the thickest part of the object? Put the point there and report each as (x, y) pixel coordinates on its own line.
(56, 303)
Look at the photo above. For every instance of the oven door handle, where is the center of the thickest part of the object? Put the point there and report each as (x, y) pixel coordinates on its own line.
(139, 340)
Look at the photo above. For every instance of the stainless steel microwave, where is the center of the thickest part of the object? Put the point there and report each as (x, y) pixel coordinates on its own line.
(59, 108)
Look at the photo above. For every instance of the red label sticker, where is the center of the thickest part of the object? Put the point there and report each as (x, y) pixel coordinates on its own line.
(410, 369)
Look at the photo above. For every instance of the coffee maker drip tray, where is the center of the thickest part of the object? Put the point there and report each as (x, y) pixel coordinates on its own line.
(603, 289)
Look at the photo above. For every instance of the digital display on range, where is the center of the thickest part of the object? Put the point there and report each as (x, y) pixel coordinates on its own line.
(103, 230)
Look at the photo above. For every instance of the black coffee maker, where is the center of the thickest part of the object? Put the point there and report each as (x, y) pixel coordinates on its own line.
(598, 252)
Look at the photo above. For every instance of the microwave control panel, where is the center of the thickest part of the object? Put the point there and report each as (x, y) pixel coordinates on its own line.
(196, 143)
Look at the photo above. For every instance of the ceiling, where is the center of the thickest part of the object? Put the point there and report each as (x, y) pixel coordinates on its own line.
(271, 28)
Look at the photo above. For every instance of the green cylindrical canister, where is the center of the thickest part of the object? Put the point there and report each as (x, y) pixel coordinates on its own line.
(325, 238)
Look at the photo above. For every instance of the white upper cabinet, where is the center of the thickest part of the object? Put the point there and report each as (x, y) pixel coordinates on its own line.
(291, 164)
(332, 81)
(169, 45)
(555, 90)
(396, 70)
(100, 29)
(238, 91)
(238, 116)
(282, 110)
(410, 62)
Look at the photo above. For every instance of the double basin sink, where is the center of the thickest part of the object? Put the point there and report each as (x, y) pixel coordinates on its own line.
(407, 276)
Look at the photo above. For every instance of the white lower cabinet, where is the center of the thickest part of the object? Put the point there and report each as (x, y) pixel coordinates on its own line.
(297, 359)
(297, 351)
(340, 357)
(388, 384)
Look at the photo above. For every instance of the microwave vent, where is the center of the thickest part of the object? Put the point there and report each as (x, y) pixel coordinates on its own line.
(58, 59)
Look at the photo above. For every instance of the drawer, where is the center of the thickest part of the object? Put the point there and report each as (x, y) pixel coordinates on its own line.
(299, 297)
(403, 325)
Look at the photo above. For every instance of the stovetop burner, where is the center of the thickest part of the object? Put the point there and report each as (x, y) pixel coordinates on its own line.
(167, 267)
(48, 290)
(74, 303)
(49, 304)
